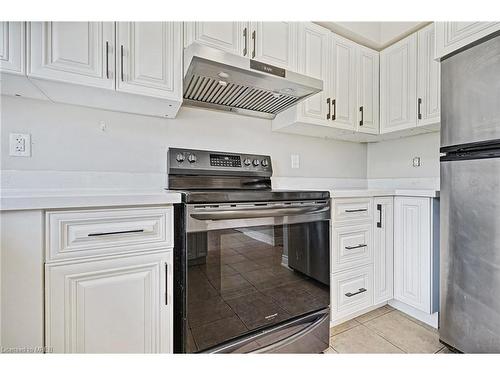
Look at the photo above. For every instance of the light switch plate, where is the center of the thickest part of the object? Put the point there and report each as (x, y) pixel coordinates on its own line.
(20, 144)
(295, 161)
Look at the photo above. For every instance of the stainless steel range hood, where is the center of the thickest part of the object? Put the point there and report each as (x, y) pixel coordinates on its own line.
(219, 80)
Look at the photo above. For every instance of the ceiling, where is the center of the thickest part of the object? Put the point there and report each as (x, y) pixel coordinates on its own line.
(376, 35)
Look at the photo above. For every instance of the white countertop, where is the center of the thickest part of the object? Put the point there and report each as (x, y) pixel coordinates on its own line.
(73, 198)
(352, 193)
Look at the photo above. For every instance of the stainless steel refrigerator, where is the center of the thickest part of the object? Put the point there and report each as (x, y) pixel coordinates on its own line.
(470, 199)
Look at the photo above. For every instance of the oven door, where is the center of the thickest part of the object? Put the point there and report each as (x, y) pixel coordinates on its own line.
(257, 277)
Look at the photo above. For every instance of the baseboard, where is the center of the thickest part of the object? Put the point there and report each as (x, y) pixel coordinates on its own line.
(429, 319)
(344, 319)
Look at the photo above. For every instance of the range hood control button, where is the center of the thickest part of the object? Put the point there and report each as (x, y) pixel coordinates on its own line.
(191, 158)
(180, 158)
(256, 163)
(247, 162)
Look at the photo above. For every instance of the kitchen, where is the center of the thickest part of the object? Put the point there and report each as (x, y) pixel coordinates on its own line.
(248, 187)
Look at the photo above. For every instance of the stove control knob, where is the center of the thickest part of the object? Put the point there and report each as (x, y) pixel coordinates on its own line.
(191, 158)
(247, 162)
(180, 158)
(264, 163)
(255, 163)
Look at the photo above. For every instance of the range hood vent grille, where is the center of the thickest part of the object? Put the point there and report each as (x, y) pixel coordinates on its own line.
(208, 90)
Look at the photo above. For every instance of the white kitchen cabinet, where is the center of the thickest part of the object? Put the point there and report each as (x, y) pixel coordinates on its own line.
(429, 79)
(451, 36)
(412, 252)
(12, 47)
(398, 80)
(232, 37)
(343, 91)
(368, 90)
(149, 59)
(120, 305)
(383, 267)
(274, 43)
(82, 53)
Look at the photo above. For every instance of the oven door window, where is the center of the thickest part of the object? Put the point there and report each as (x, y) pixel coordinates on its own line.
(245, 279)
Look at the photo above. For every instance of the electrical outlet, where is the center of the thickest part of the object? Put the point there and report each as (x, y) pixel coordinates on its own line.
(416, 161)
(20, 144)
(295, 161)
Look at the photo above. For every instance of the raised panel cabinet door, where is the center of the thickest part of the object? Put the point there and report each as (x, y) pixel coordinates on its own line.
(412, 252)
(344, 98)
(74, 52)
(383, 250)
(113, 305)
(398, 86)
(314, 61)
(12, 47)
(451, 36)
(429, 79)
(149, 59)
(368, 90)
(274, 43)
(232, 37)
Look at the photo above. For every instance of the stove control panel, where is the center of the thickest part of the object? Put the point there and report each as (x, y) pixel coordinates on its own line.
(186, 161)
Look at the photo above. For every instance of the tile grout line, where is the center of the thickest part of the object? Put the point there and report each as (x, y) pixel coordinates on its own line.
(386, 339)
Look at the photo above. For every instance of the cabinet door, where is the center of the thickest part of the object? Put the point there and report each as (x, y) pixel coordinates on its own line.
(343, 83)
(398, 80)
(232, 37)
(451, 36)
(118, 305)
(383, 250)
(149, 59)
(368, 90)
(274, 43)
(314, 60)
(12, 47)
(412, 252)
(429, 79)
(73, 52)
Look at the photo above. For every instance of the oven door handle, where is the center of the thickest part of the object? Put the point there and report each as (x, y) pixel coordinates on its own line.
(259, 212)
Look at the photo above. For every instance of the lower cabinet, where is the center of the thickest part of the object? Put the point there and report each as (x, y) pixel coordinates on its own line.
(116, 304)
(383, 250)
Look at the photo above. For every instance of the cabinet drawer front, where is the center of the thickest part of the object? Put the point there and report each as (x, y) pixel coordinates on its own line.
(352, 246)
(352, 291)
(84, 233)
(352, 209)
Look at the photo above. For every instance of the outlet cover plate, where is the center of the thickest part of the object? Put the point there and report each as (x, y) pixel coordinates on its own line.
(20, 144)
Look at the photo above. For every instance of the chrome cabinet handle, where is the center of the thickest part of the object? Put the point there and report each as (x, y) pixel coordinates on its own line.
(357, 210)
(334, 116)
(117, 232)
(245, 39)
(379, 209)
(419, 108)
(253, 39)
(121, 62)
(107, 60)
(356, 247)
(361, 121)
(329, 108)
(360, 290)
(166, 283)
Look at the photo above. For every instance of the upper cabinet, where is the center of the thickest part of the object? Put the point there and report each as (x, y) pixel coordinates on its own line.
(230, 37)
(12, 47)
(343, 89)
(429, 79)
(274, 43)
(368, 91)
(451, 36)
(149, 59)
(398, 82)
(73, 52)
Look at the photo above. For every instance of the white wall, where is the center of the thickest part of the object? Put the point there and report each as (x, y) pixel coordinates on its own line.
(393, 159)
(69, 138)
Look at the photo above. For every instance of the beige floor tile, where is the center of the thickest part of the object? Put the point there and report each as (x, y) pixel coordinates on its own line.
(361, 339)
(445, 350)
(330, 350)
(343, 327)
(405, 334)
(373, 314)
